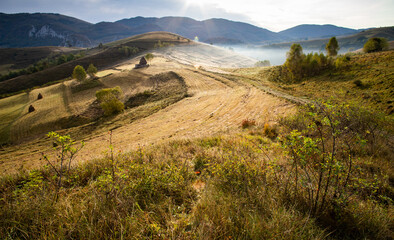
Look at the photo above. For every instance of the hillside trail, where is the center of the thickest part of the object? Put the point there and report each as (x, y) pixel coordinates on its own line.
(216, 105)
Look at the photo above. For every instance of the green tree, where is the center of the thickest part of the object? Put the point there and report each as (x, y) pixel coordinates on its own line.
(63, 144)
(92, 70)
(109, 99)
(294, 61)
(62, 59)
(149, 56)
(376, 44)
(79, 73)
(332, 47)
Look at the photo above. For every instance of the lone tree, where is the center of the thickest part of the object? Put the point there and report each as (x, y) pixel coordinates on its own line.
(109, 99)
(92, 70)
(79, 73)
(332, 47)
(294, 61)
(149, 57)
(376, 44)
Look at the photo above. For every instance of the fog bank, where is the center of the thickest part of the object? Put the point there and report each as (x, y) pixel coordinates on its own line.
(275, 56)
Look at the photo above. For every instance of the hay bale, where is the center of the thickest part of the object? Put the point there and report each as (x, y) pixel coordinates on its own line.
(143, 61)
(31, 109)
(39, 96)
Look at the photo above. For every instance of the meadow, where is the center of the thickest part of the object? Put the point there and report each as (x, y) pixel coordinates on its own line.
(208, 152)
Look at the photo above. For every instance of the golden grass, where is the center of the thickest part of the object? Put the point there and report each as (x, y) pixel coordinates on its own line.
(375, 72)
(48, 110)
(215, 104)
(10, 110)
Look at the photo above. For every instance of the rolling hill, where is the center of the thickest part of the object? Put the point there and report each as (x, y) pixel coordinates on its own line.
(313, 31)
(346, 43)
(204, 149)
(207, 31)
(101, 57)
(32, 30)
(47, 29)
(18, 58)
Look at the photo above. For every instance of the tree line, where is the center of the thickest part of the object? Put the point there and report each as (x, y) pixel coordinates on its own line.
(42, 65)
(299, 65)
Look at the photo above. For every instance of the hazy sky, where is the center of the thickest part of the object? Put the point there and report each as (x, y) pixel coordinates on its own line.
(275, 15)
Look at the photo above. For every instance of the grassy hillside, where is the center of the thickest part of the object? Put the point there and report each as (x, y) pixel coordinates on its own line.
(70, 104)
(347, 43)
(198, 154)
(100, 57)
(367, 79)
(10, 110)
(233, 186)
(18, 58)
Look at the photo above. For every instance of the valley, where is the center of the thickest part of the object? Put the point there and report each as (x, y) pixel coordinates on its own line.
(214, 104)
(208, 146)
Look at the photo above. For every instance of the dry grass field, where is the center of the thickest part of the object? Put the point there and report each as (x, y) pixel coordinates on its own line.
(204, 149)
(10, 110)
(215, 104)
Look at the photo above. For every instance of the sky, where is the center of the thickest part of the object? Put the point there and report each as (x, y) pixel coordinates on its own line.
(274, 15)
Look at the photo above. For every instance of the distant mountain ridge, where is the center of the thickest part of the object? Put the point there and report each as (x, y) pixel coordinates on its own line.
(314, 31)
(49, 29)
(346, 42)
(22, 30)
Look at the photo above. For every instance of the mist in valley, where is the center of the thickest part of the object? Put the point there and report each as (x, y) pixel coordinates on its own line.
(274, 56)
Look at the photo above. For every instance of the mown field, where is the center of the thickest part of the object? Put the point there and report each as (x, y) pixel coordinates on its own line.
(197, 154)
(229, 186)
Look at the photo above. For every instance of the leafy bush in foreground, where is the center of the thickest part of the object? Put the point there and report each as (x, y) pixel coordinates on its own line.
(326, 148)
(236, 186)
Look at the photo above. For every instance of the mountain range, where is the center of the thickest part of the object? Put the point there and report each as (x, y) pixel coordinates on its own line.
(48, 29)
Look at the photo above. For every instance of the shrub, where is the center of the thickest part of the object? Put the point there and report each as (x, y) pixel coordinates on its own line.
(161, 44)
(112, 106)
(342, 61)
(264, 63)
(149, 56)
(79, 73)
(375, 45)
(313, 64)
(109, 99)
(270, 131)
(324, 147)
(92, 70)
(358, 83)
(66, 153)
(128, 51)
(246, 123)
